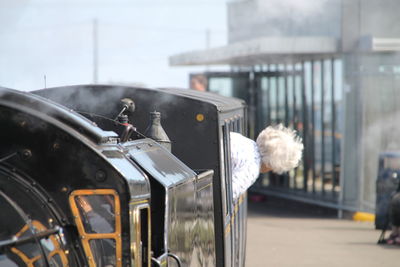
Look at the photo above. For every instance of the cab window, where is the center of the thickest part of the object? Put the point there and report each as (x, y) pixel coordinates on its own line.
(97, 217)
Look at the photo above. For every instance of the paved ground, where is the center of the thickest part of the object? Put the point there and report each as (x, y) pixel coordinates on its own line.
(286, 234)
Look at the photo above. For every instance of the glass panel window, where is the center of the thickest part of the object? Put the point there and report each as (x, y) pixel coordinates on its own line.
(56, 260)
(97, 212)
(264, 106)
(327, 116)
(97, 217)
(281, 100)
(221, 85)
(27, 249)
(39, 263)
(15, 226)
(274, 100)
(103, 251)
(318, 146)
(32, 255)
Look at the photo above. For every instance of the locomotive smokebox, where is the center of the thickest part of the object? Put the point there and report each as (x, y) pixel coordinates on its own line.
(156, 132)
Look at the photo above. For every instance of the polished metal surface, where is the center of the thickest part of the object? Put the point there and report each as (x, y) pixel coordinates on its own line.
(159, 163)
(178, 196)
(189, 211)
(118, 156)
(62, 151)
(205, 219)
(187, 133)
(193, 215)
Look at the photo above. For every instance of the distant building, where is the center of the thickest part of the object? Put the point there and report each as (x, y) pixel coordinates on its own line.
(330, 69)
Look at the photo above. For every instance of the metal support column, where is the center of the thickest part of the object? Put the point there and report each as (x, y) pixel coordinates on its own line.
(323, 125)
(286, 96)
(334, 176)
(312, 154)
(305, 123)
(252, 104)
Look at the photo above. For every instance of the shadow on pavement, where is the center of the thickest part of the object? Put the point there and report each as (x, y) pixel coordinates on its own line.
(267, 206)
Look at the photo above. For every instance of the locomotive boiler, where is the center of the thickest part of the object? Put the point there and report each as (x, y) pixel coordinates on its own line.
(81, 184)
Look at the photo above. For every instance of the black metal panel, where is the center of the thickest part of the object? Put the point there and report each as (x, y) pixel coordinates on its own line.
(174, 213)
(178, 115)
(24, 208)
(57, 151)
(31, 103)
(195, 139)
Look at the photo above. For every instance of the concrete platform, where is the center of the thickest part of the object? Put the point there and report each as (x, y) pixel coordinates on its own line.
(288, 234)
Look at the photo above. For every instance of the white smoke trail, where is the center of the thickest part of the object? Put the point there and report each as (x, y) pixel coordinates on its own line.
(300, 9)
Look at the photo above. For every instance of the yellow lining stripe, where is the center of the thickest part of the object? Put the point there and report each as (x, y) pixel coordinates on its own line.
(132, 202)
(235, 211)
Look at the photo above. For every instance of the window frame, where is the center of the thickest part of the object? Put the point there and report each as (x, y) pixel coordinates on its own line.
(87, 237)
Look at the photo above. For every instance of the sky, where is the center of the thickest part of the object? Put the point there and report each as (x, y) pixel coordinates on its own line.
(50, 42)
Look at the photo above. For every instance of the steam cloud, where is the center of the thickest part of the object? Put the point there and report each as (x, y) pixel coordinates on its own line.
(299, 8)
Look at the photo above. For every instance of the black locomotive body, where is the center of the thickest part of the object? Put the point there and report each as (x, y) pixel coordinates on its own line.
(78, 188)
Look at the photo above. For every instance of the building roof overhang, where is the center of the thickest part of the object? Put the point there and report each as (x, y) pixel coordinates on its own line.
(261, 51)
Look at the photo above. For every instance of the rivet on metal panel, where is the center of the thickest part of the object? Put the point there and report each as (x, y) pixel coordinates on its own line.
(26, 154)
(22, 123)
(56, 146)
(101, 176)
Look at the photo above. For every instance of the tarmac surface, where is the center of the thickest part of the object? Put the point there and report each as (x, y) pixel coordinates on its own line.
(289, 234)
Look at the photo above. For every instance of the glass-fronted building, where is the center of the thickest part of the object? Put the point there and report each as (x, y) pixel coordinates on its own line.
(330, 70)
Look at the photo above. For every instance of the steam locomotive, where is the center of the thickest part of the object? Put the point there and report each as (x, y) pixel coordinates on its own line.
(81, 185)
